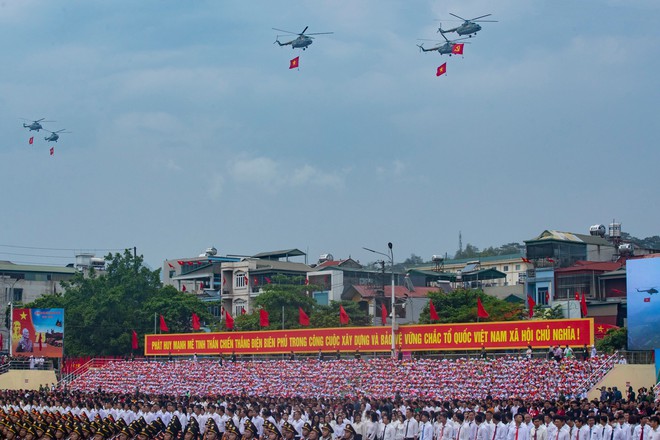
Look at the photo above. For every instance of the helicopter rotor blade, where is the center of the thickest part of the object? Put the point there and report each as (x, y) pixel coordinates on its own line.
(303, 30)
(282, 30)
(477, 18)
(321, 33)
(457, 16)
(428, 39)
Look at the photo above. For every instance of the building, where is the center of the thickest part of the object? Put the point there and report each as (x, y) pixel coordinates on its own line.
(21, 284)
(229, 282)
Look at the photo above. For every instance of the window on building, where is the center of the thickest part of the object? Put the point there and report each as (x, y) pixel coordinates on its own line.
(18, 295)
(240, 279)
(506, 268)
(239, 306)
(517, 267)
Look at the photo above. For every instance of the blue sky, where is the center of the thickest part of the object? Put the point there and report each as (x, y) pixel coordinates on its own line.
(189, 130)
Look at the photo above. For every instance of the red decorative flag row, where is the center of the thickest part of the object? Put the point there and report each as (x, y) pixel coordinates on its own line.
(433, 314)
(303, 319)
(383, 314)
(229, 321)
(163, 325)
(343, 316)
(263, 318)
(481, 312)
(195, 322)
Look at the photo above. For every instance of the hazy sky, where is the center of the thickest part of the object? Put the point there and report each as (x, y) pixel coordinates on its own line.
(189, 130)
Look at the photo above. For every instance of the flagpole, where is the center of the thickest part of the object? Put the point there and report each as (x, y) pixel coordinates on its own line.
(155, 314)
(282, 316)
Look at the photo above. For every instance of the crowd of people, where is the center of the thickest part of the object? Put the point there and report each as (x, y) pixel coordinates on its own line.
(462, 378)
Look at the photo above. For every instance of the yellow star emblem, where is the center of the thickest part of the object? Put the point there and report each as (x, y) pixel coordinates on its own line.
(601, 329)
(23, 315)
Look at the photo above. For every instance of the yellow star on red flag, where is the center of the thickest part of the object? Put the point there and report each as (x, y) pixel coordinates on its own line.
(294, 63)
(23, 315)
(441, 70)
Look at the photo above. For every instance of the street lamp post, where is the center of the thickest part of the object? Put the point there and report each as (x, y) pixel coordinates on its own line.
(390, 255)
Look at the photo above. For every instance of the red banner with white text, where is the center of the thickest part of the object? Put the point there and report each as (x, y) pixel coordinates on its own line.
(433, 337)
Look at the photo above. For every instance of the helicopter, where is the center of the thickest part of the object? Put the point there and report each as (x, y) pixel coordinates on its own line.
(54, 135)
(302, 40)
(446, 48)
(35, 125)
(650, 291)
(469, 27)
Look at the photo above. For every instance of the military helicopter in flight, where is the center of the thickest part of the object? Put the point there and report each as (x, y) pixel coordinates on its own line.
(35, 125)
(54, 135)
(469, 27)
(446, 48)
(303, 40)
(650, 291)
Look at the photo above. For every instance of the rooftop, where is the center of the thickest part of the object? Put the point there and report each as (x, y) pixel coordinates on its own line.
(276, 255)
(8, 266)
(552, 235)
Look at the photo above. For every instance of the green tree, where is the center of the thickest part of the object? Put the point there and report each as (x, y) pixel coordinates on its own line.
(461, 306)
(470, 251)
(615, 339)
(543, 312)
(413, 260)
(328, 316)
(101, 309)
(284, 294)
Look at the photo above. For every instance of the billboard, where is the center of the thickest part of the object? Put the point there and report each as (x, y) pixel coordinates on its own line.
(37, 332)
(433, 337)
(643, 285)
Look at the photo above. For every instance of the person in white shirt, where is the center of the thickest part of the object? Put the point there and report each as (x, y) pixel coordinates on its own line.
(371, 426)
(387, 431)
(517, 430)
(410, 426)
(425, 428)
(561, 429)
(577, 426)
(538, 432)
(445, 429)
(591, 431)
(483, 432)
(654, 422)
(643, 430)
(500, 430)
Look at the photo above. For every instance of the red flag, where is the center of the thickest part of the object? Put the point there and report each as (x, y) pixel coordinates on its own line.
(577, 296)
(201, 285)
(526, 260)
(163, 326)
(441, 70)
(343, 316)
(224, 281)
(263, 318)
(52, 150)
(183, 289)
(247, 280)
(583, 305)
(255, 281)
(306, 281)
(547, 296)
(190, 263)
(481, 312)
(433, 314)
(294, 63)
(229, 321)
(303, 319)
(170, 264)
(383, 314)
(180, 263)
(647, 300)
(531, 304)
(457, 48)
(243, 311)
(617, 291)
(268, 280)
(195, 322)
(39, 338)
(31, 141)
(134, 340)
(550, 260)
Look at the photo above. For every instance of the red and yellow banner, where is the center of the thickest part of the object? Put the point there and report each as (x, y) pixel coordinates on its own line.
(37, 332)
(434, 337)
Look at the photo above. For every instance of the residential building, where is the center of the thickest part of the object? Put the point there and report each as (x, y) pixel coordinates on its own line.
(229, 282)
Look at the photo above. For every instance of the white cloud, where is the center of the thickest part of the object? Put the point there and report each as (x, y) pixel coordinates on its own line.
(273, 175)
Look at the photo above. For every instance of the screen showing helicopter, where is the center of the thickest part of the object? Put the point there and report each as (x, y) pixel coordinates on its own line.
(643, 284)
